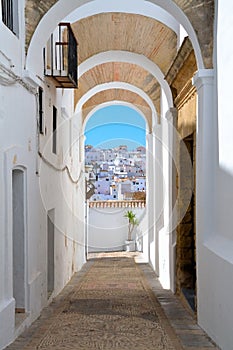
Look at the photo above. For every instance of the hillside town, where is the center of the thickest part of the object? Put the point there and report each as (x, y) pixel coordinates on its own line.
(116, 174)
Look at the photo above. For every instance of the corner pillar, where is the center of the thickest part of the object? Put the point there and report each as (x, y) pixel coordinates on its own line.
(166, 238)
(206, 152)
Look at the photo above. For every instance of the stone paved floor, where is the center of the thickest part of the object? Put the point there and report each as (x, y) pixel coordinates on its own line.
(114, 304)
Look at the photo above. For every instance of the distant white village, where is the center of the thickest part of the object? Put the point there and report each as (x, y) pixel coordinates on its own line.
(115, 174)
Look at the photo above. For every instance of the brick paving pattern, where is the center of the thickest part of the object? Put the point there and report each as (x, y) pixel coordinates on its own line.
(114, 303)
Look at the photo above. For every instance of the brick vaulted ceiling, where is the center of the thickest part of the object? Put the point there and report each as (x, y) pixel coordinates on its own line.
(131, 33)
(199, 12)
(123, 72)
(125, 32)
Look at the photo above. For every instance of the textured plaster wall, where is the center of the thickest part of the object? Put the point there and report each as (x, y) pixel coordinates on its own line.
(45, 188)
(215, 253)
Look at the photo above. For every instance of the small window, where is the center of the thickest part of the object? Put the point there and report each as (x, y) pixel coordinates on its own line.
(10, 15)
(54, 145)
(41, 112)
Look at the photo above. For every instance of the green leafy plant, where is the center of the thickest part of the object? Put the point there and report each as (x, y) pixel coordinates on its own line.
(132, 222)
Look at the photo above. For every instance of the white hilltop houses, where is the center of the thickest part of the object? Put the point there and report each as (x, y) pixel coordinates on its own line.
(171, 61)
(117, 178)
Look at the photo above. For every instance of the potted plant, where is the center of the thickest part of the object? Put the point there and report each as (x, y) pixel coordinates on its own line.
(132, 222)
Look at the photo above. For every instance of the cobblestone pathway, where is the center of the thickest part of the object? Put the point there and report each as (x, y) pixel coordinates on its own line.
(114, 304)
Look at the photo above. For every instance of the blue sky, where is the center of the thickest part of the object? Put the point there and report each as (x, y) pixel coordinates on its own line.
(115, 125)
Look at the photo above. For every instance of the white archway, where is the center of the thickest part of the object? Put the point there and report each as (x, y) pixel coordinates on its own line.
(110, 103)
(129, 57)
(63, 8)
(143, 236)
(146, 9)
(114, 85)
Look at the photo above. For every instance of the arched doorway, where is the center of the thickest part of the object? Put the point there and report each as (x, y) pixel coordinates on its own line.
(115, 157)
(177, 12)
(19, 239)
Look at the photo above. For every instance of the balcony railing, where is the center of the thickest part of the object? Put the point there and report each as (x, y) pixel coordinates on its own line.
(117, 204)
(61, 57)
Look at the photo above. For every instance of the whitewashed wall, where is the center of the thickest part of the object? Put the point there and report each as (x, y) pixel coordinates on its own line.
(215, 272)
(46, 187)
(107, 229)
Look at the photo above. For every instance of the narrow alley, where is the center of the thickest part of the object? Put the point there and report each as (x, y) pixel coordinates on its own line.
(114, 302)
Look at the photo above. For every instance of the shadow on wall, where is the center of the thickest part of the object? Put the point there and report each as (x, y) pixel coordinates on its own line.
(223, 202)
(141, 231)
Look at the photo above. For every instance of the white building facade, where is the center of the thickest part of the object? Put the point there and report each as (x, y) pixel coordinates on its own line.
(42, 216)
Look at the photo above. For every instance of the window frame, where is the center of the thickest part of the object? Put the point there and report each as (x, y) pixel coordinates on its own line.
(10, 15)
(54, 130)
(41, 110)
